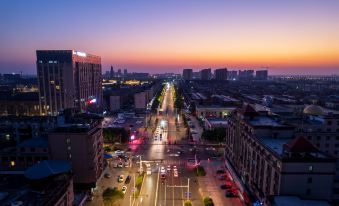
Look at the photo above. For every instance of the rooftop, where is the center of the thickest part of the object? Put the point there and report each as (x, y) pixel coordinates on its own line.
(34, 143)
(47, 168)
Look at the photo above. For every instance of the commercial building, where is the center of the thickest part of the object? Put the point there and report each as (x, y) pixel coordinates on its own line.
(220, 74)
(82, 145)
(232, 75)
(208, 111)
(246, 74)
(114, 103)
(68, 79)
(187, 74)
(206, 74)
(266, 159)
(141, 100)
(261, 75)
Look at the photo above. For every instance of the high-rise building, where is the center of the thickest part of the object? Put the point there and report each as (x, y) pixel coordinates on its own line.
(232, 75)
(246, 75)
(125, 73)
(119, 73)
(68, 79)
(187, 74)
(261, 74)
(220, 74)
(112, 73)
(206, 74)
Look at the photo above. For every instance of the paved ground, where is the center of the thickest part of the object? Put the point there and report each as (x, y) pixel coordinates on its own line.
(212, 184)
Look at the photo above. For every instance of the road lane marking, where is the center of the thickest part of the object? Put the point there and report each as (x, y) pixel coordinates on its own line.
(156, 191)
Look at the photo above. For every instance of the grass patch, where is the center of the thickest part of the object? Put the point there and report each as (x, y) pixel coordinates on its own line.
(208, 201)
(200, 171)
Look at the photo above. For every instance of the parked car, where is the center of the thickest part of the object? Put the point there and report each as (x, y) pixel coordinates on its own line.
(126, 164)
(120, 165)
(220, 171)
(128, 179)
(124, 189)
(162, 170)
(168, 168)
(226, 186)
(231, 193)
(121, 178)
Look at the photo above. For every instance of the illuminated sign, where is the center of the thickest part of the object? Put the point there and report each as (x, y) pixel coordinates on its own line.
(81, 54)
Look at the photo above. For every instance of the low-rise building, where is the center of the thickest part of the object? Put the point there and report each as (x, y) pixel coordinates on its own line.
(206, 111)
(267, 160)
(82, 145)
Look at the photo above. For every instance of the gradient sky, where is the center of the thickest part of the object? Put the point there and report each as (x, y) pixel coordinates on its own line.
(288, 36)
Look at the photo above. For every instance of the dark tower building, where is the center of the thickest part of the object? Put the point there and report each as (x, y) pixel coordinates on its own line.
(68, 79)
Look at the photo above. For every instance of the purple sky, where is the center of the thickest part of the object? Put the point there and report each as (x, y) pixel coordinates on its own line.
(289, 37)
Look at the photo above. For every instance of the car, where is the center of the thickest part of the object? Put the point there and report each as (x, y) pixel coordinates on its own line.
(120, 164)
(107, 175)
(119, 152)
(162, 170)
(114, 164)
(126, 164)
(210, 148)
(174, 167)
(175, 173)
(168, 168)
(128, 179)
(225, 186)
(222, 177)
(148, 171)
(121, 178)
(220, 172)
(231, 193)
(124, 189)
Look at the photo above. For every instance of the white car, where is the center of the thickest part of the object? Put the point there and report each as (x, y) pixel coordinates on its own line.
(124, 189)
(168, 168)
(119, 152)
(121, 178)
(162, 170)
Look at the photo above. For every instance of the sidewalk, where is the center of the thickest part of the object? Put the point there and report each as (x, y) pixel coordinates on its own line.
(210, 185)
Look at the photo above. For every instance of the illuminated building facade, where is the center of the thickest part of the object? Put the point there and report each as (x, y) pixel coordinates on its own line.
(68, 79)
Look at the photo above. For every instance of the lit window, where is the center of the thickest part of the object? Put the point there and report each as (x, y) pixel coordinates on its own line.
(57, 87)
(310, 168)
(52, 82)
(12, 163)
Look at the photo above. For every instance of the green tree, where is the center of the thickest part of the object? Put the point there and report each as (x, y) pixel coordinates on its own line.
(111, 195)
(208, 201)
(188, 203)
(112, 135)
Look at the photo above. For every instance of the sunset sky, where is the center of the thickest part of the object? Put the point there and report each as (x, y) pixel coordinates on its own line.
(290, 36)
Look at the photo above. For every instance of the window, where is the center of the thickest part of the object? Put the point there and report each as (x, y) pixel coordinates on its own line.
(308, 191)
(318, 137)
(336, 145)
(310, 168)
(329, 122)
(335, 152)
(309, 180)
(327, 138)
(309, 137)
(327, 145)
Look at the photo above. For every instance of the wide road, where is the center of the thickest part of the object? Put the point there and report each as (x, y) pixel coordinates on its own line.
(171, 191)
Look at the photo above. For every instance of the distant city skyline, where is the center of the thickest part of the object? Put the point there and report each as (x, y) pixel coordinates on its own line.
(288, 37)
